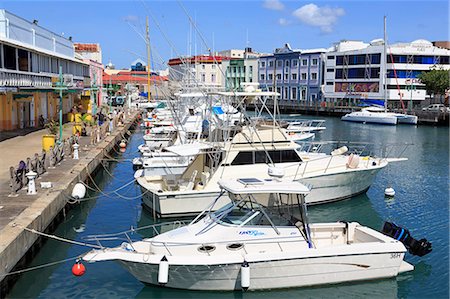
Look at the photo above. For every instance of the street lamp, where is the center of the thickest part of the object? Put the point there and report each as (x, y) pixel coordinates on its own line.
(94, 89)
(60, 86)
(411, 87)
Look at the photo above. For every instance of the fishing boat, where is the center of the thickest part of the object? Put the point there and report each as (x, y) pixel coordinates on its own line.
(262, 240)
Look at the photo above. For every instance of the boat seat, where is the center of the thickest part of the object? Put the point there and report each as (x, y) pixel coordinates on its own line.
(171, 182)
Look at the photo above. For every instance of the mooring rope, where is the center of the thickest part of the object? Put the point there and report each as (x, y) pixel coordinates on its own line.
(57, 238)
(40, 266)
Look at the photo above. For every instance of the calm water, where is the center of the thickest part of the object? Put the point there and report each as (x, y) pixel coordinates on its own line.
(421, 205)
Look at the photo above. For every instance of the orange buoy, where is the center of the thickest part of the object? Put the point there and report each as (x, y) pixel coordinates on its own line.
(78, 269)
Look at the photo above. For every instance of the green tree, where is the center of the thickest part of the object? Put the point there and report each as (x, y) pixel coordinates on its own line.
(436, 81)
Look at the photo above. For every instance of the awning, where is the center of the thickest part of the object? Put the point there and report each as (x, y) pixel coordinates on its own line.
(262, 186)
(190, 149)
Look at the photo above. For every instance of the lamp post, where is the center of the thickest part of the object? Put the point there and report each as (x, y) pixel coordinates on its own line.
(60, 87)
(411, 87)
(94, 89)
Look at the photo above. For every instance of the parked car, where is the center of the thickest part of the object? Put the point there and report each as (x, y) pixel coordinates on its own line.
(436, 108)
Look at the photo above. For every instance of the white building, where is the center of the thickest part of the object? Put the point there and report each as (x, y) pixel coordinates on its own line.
(201, 71)
(354, 70)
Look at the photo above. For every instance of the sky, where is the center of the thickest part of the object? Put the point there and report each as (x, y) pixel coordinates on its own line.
(119, 26)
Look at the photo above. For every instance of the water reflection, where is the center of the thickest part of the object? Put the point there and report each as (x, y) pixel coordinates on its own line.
(386, 288)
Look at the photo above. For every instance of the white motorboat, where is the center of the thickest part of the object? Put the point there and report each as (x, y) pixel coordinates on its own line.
(378, 115)
(334, 176)
(371, 115)
(262, 244)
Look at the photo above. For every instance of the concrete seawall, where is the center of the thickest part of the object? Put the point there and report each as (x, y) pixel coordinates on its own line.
(15, 241)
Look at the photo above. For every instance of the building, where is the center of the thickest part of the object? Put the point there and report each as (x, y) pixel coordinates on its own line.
(116, 82)
(240, 70)
(202, 71)
(30, 60)
(92, 55)
(232, 53)
(139, 65)
(355, 71)
(295, 74)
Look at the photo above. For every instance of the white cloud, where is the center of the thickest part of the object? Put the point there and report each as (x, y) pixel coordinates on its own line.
(284, 22)
(273, 4)
(323, 17)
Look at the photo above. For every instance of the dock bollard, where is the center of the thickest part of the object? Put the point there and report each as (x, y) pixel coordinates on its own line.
(31, 175)
(75, 151)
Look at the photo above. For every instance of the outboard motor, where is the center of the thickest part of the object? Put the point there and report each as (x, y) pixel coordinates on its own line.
(416, 247)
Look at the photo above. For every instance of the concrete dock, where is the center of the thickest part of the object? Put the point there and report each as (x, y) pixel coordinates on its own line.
(38, 211)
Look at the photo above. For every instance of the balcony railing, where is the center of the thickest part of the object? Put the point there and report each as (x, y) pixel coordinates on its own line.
(10, 78)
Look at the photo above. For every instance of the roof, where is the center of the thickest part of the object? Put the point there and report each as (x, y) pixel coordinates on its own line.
(128, 76)
(198, 59)
(262, 186)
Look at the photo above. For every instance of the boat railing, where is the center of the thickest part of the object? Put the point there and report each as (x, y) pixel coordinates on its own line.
(383, 151)
(365, 150)
(126, 235)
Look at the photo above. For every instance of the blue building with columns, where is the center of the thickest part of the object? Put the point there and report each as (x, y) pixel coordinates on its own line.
(296, 74)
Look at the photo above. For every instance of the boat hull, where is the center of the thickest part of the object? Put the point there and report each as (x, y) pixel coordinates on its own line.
(326, 188)
(273, 274)
(382, 120)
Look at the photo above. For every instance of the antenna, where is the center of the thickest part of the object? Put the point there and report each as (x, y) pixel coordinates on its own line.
(247, 43)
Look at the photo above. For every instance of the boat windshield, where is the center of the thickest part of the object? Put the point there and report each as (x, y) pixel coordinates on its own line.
(247, 212)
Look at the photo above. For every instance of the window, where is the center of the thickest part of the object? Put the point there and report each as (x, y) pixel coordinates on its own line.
(313, 76)
(294, 93)
(10, 57)
(339, 60)
(313, 96)
(330, 83)
(338, 74)
(213, 66)
(23, 60)
(330, 57)
(375, 58)
(286, 76)
(270, 88)
(303, 94)
(250, 69)
(294, 62)
(262, 77)
(213, 78)
(278, 89)
(303, 76)
(330, 70)
(278, 76)
(203, 66)
(270, 77)
(286, 93)
(294, 76)
(304, 62)
(203, 77)
(286, 63)
(279, 63)
(314, 61)
(277, 156)
(271, 63)
(262, 64)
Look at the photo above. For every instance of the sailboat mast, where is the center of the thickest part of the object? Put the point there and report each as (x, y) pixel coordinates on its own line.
(148, 58)
(384, 66)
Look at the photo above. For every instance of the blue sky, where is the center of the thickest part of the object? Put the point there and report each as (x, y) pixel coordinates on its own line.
(270, 24)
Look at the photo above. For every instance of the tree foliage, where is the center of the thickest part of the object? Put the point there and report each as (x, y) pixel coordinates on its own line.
(436, 80)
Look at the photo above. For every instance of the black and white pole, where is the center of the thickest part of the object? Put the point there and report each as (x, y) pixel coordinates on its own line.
(31, 175)
(76, 146)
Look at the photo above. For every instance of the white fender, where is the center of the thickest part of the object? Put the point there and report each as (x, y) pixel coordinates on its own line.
(163, 272)
(389, 191)
(79, 191)
(245, 276)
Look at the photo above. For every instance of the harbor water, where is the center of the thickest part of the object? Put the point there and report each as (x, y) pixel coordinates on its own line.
(421, 204)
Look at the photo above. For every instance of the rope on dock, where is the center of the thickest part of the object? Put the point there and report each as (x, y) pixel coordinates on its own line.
(31, 230)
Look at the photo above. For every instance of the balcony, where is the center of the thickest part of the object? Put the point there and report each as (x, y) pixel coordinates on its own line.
(10, 78)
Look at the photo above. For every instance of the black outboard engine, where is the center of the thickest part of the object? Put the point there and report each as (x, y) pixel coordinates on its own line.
(415, 247)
